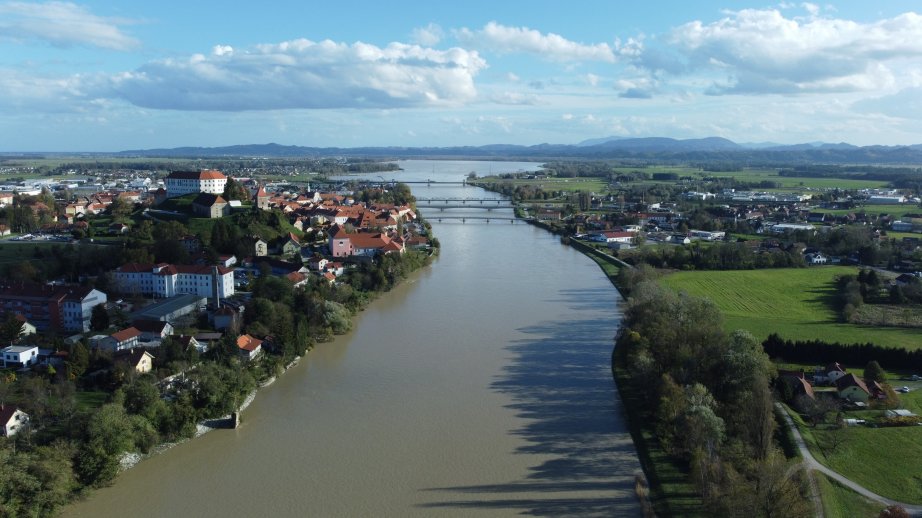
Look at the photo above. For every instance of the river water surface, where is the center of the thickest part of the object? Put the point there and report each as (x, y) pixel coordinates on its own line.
(479, 387)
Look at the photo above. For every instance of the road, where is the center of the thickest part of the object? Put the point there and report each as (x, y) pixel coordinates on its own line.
(811, 463)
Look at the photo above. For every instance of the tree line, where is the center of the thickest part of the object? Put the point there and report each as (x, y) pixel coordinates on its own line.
(705, 395)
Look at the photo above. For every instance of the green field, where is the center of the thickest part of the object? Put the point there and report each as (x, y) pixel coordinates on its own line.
(884, 460)
(795, 303)
(893, 210)
(797, 182)
(841, 502)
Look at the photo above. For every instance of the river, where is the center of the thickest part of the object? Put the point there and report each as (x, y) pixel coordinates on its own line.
(479, 387)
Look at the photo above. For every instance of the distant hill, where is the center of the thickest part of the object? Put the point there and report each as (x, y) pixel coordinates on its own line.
(708, 149)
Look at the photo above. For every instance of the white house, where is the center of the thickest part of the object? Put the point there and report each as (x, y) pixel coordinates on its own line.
(17, 356)
(122, 340)
(250, 347)
(12, 420)
(815, 258)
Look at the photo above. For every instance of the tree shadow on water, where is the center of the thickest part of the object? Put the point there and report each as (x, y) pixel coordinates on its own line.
(559, 381)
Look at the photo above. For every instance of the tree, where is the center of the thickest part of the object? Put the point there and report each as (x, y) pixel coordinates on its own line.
(233, 190)
(10, 329)
(79, 359)
(99, 319)
(874, 372)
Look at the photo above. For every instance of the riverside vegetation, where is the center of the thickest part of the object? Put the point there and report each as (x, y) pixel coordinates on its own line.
(88, 414)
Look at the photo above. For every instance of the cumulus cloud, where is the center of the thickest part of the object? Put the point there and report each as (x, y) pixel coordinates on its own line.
(553, 47)
(760, 50)
(427, 36)
(304, 74)
(62, 24)
(30, 92)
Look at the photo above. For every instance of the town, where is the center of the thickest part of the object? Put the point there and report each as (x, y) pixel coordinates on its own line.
(146, 308)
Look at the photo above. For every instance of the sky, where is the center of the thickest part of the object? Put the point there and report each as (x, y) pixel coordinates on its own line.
(108, 76)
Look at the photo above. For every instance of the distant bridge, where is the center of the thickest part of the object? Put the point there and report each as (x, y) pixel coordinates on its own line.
(422, 182)
(463, 201)
(444, 206)
(479, 219)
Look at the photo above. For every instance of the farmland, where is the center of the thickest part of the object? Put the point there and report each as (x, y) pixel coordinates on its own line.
(884, 460)
(794, 303)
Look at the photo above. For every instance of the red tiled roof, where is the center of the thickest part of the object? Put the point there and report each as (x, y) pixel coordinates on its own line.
(248, 343)
(850, 380)
(206, 174)
(126, 334)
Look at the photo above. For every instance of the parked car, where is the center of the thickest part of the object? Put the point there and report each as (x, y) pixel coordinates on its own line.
(904, 389)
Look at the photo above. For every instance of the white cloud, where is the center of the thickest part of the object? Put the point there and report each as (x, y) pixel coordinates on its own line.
(592, 79)
(550, 46)
(512, 77)
(29, 92)
(427, 36)
(762, 51)
(636, 88)
(62, 24)
(305, 74)
(222, 50)
(515, 98)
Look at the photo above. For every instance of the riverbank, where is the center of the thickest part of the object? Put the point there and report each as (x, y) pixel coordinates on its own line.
(131, 459)
(666, 490)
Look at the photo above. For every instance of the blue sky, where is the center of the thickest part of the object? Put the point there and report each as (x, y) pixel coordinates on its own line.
(93, 76)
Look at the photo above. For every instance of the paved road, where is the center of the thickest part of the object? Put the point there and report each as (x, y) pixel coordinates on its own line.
(811, 463)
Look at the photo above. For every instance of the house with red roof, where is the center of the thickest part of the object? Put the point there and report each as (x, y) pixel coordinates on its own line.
(250, 347)
(125, 339)
(852, 388)
(362, 244)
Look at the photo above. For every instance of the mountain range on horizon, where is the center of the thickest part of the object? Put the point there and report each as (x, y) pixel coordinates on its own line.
(660, 148)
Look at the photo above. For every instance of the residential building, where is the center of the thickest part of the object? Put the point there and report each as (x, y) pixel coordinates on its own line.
(250, 347)
(122, 340)
(51, 307)
(138, 360)
(18, 356)
(179, 183)
(361, 244)
(852, 388)
(12, 419)
(152, 330)
(166, 280)
(210, 206)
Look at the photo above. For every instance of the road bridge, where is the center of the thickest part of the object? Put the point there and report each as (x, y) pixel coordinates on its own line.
(479, 219)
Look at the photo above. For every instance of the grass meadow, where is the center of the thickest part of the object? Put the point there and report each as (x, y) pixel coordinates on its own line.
(795, 303)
